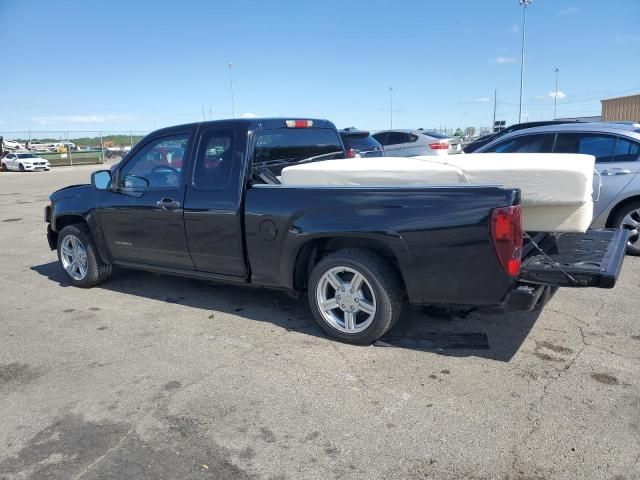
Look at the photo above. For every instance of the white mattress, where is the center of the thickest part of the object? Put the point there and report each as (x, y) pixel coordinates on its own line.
(556, 188)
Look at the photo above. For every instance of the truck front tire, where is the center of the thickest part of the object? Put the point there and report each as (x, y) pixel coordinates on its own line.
(79, 258)
(355, 296)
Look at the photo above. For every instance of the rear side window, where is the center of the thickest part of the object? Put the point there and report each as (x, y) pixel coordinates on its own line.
(275, 148)
(214, 160)
(396, 138)
(626, 151)
(540, 143)
(382, 137)
(598, 145)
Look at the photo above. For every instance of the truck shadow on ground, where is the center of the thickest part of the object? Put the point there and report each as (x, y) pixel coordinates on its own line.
(491, 336)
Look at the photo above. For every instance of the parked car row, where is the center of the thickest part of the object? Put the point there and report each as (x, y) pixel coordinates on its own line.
(616, 147)
(398, 143)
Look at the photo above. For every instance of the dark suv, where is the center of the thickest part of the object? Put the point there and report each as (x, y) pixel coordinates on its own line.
(360, 143)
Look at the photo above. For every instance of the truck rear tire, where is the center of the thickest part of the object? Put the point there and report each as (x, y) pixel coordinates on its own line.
(355, 296)
(79, 258)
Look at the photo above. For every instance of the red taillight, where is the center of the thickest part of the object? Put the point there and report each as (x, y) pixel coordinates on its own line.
(299, 123)
(506, 234)
(439, 146)
(351, 153)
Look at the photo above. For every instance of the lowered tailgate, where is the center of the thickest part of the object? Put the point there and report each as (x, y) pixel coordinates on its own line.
(591, 259)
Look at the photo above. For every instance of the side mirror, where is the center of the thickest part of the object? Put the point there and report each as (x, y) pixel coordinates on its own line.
(101, 179)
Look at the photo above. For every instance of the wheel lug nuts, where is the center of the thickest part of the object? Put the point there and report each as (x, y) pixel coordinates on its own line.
(342, 305)
(351, 307)
(338, 297)
(351, 290)
(357, 300)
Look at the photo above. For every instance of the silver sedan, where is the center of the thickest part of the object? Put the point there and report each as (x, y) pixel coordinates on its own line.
(616, 147)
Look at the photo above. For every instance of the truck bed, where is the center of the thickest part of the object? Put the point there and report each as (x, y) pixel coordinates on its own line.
(438, 235)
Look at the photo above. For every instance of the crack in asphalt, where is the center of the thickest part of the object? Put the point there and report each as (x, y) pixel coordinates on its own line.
(102, 457)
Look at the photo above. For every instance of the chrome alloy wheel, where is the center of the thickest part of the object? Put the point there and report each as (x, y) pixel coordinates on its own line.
(74, 257)
(631, 222)
(346, 299)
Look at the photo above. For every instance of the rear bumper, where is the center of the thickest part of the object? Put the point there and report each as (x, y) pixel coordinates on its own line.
(524, 298)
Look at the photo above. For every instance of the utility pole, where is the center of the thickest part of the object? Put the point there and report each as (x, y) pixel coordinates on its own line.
(204, 119)
(495, 104)
(524, 4)
(555, 96)
(233, 105)
(390, 108)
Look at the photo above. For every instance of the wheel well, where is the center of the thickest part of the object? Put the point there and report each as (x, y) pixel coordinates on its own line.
(614, 212)
(314, 250)
(66, 220)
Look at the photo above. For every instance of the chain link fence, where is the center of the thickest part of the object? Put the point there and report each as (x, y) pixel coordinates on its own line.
(67, 148)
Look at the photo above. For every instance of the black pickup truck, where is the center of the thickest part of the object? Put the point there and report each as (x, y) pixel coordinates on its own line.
(204, 201)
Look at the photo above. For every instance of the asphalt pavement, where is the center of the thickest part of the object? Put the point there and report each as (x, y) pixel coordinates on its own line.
(153, 377)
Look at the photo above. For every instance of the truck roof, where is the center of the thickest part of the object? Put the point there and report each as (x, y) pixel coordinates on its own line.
(255, 123)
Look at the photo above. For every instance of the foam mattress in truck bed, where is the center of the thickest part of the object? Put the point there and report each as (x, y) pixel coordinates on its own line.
(556, 188)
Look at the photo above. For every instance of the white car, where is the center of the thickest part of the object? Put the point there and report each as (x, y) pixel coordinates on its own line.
(412, 143)
(11, 145)
(24, 162)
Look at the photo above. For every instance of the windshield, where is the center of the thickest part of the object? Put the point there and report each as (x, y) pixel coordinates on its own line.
(26, 155)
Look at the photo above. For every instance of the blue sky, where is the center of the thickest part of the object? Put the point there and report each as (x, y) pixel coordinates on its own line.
(120, 65)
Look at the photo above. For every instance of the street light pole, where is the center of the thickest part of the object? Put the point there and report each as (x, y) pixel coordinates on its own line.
(524, 4)
(495, 106)
(233, 104)
(555, 95)
(391, 108)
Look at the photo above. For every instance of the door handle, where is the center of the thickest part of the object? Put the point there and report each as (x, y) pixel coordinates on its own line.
(168, 203)
(615, 171)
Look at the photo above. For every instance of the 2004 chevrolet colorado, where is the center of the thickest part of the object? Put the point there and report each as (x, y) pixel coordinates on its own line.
(203, 200)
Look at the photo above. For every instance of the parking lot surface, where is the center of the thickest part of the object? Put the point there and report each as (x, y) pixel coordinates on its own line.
(155, 377)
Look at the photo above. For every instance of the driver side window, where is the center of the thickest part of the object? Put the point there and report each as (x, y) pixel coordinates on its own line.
(158, 165)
